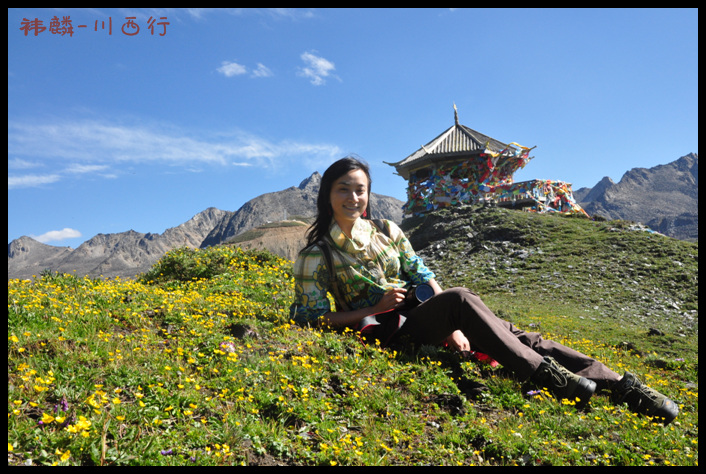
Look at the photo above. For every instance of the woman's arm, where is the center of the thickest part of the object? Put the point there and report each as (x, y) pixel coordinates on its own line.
(435, 286)
(390, 300)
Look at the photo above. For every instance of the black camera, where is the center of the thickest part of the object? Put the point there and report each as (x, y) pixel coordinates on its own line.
(418, 294)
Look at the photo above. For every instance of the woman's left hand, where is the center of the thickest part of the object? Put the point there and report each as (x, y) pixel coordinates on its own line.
(458, 341)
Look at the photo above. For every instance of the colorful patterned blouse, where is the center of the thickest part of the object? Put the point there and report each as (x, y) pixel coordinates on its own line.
(367, 265)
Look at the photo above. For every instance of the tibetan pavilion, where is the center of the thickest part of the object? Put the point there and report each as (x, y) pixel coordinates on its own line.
(464, 166)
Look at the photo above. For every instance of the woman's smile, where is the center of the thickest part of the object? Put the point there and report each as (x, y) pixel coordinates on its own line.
(349, 198)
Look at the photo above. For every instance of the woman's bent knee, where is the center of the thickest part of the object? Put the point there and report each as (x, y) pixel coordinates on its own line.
(459, 294)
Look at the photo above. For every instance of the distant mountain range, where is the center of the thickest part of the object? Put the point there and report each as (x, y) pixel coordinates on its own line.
(122, 254)
(665, 198)
(126, 254)
(297, 202)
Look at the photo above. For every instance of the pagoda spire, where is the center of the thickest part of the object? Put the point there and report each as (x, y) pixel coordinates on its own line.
(455, 114)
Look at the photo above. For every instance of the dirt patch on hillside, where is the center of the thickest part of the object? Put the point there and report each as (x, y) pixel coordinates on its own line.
(285, 240)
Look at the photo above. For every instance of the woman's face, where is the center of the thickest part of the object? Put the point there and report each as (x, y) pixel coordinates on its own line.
(349, 197)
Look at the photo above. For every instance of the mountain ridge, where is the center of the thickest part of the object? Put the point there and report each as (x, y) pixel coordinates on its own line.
(664, 197)
(126, 254)
(122, 254)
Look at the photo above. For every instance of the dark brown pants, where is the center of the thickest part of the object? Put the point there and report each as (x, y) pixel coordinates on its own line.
(521, 352)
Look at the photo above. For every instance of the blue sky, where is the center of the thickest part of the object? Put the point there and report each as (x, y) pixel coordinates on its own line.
(109, 132)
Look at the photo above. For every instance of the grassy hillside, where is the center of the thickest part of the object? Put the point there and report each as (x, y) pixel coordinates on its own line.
(197, 363)
(614, 279)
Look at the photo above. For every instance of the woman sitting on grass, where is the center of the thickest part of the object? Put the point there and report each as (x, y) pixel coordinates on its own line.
(374, 268)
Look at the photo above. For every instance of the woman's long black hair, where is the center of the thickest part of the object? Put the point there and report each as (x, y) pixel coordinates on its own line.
(324, 215)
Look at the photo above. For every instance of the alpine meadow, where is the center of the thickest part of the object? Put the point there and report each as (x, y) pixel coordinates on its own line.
(196, 361)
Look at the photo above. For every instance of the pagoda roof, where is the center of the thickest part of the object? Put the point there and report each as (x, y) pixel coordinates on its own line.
(455, 142)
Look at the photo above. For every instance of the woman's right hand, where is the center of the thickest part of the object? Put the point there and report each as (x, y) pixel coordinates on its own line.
(392, 299)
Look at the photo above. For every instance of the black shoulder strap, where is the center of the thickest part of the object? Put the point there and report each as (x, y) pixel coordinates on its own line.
(380, 224)
(333, 282)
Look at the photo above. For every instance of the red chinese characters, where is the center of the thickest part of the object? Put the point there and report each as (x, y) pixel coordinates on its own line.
(131, 27)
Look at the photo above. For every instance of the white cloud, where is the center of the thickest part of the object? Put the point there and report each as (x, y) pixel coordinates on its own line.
(81, 169)
(230, 69)
(261, 71)
(291, 13)
(57, 235)
(275, 13)
(18, 164)
(198, 13)
(317, 69)
(97, 141)
(83, 147)
(31, 180)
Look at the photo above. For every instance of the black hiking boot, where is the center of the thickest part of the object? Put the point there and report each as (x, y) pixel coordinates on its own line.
(643, 399)
(563, 383)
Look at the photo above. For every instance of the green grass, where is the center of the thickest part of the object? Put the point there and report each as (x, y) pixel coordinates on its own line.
(197, 363)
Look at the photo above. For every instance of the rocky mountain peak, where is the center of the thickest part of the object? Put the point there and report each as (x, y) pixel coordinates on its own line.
(311, 183)
(598, 190)
(291, 203)
(664, 197)
(25, 246)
